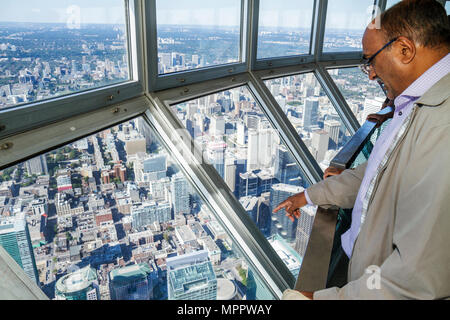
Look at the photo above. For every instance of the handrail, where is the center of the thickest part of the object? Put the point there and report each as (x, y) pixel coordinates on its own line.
(347, 155)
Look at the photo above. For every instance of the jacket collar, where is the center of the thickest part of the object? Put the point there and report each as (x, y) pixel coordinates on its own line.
(437, 94)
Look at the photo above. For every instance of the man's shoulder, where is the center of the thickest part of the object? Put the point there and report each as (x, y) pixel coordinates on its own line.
(438, 95)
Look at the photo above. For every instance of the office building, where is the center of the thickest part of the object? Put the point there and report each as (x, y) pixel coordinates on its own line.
(15, 239)
(179, 188)
(319, 144)
(304, 228)
(333, 129)
(146, 213)
(79, 285)
(191, 277)
(310, 113)
(281, 224)
(134, 282)
(290, 257)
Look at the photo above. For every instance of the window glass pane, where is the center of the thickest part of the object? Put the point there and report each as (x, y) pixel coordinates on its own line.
(284, 28)
(53, 48)
(345, 24)
(363, 95)
(312, 115)
(237, 139)
(198, 33)
(447, 7)
(390, 3)
(114, 213)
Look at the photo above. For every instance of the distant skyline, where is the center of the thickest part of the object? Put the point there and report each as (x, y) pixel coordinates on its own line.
(342, 14)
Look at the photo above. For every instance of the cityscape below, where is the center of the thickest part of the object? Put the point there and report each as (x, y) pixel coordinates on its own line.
(111, 216)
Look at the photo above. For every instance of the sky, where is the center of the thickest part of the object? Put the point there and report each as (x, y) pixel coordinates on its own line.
(349, 14)
(64, 11)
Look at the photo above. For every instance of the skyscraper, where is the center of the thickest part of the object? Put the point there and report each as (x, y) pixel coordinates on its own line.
(180, 194)
(216, 156)
(252, 150)
(304, 227)
(230, 174)
(15, 239)
(217, 126)
(281, 224)
(265, 144)
(134, 282)
(319, 144)
(248, 184)
(333, 129)
(285, 168)
(191, 277)
(310, 112)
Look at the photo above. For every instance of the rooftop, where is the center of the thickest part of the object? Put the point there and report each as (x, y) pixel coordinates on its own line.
(128, 273)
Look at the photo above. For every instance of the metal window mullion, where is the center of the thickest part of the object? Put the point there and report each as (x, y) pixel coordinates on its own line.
(214, 191)
(319, 28)
(281, 72)
(151, 35)
(252, 33)
(285, 129)
(337, 99)
(381, 4)
(335, 64)
(197, 90)
(136, 41)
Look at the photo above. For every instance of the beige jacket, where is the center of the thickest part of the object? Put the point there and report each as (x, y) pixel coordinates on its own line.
(406, 233)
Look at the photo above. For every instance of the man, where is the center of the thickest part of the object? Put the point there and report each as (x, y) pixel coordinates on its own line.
(401, 195)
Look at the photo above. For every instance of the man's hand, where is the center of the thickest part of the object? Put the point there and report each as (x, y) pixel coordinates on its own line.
(292, 205)
(378, 118)
(332, 171)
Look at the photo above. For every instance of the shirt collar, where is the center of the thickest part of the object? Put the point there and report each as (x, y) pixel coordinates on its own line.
(424, 82)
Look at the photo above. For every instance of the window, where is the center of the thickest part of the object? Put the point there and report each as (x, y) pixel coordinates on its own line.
(363, 95)
(196, 34)
(390, 3)
(54, 48)
(312, 115)
(345, 24)
(447, 7)
(284, 28)
(114, 212)
(238, 140)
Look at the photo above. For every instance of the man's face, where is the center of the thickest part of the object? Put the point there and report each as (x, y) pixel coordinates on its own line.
(382, 66)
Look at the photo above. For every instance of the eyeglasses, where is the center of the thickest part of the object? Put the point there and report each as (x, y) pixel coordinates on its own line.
(365, 66)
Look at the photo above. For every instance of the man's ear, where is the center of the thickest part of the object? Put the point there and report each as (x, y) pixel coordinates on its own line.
(404, 49)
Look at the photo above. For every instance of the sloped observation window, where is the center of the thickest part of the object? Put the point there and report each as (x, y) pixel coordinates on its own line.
(312, 114)
(112, 217)
(197, 34)
(55, 48)
(236, 138)
(363, 96)
(284, 28)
